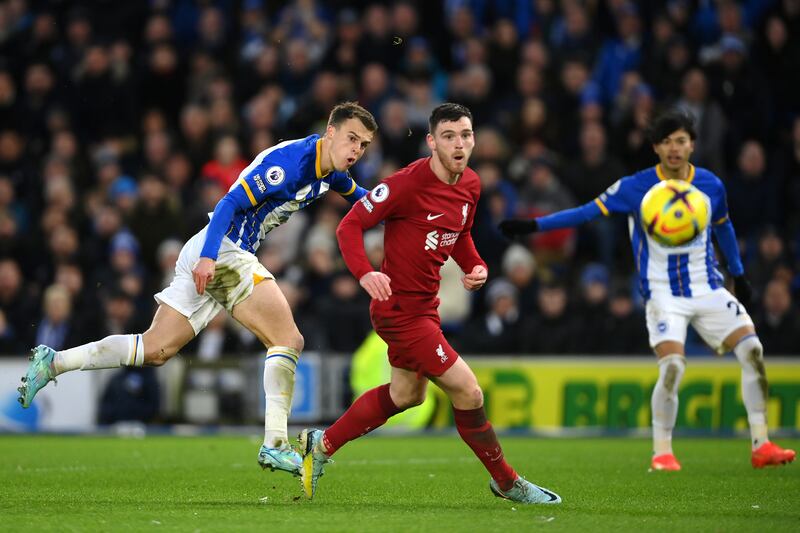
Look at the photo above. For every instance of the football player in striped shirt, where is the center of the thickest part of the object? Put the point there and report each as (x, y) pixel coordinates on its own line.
(682, 286)
(217, 268)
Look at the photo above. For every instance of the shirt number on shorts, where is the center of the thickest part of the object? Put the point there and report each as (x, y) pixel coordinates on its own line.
(735, 305)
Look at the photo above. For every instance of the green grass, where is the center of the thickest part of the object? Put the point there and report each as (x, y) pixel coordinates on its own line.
(386, 484)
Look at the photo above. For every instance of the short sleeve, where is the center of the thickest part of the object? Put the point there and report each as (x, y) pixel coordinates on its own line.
(382, 203)
(343, 183)
(259, 183)
(621, 197)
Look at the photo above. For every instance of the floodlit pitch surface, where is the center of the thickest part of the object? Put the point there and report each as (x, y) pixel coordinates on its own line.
(425, 483)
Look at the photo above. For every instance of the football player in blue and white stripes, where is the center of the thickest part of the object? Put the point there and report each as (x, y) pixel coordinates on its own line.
(217, 269)
(682, 286)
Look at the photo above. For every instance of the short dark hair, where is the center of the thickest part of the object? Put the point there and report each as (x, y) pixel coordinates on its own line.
(348, 110)
(448, 112)
(670, 122)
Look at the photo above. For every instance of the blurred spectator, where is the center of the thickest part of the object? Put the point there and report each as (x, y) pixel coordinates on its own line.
(154, 204)
(347, 302)
(752, 191)
(587, 177)
(592, 308)
(312, 110)
(542, 194)
(709, 121)
(634, 119)
(519, 268)
(400, 143)
(162, 84)
(227, 163)
(770, 256)
(624, 327)
(778, 325)
(57, 329)
(737, 85)
(132, 395)
(778, 57)
(498, 330)
(17, 305)
(622, 53)
(167, 255)
(573, 35)
(552, 331)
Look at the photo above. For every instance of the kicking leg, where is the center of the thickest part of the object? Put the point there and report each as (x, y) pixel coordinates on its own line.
(168, 333)
(664, 403)
(750, 353)
(461, 386)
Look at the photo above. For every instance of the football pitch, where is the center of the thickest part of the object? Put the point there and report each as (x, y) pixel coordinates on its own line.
(386, 483)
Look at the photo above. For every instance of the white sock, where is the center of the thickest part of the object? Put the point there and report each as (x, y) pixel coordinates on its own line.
(112, 352)
(664, 401)
(750, 354)
(279, 369)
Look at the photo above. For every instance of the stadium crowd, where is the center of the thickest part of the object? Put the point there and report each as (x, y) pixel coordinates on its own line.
(123, 123)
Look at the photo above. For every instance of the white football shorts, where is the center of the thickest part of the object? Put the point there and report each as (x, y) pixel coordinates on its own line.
(714, 316)
(237, 272)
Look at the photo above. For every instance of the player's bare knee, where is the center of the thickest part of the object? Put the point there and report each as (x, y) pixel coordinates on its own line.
(417, 397)
(407, 398)
(157, 353)
(298, 342)
(292, 340)
(472, 397)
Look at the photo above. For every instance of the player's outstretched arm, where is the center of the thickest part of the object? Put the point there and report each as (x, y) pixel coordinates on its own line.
(561, 219)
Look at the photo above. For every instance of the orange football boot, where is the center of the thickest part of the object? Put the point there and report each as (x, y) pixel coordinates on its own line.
(770, 453)
(665, 461)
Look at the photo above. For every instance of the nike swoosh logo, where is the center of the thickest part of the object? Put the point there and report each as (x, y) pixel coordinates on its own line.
(434, 217)
(666, 229)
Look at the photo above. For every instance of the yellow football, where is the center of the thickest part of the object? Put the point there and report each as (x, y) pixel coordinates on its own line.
(674, 212)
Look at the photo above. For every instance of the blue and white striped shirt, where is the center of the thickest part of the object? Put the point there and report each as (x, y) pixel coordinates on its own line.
(281, 180)
(687, 270)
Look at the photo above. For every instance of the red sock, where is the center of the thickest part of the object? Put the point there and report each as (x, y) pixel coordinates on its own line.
(370, 410)
(477, 432)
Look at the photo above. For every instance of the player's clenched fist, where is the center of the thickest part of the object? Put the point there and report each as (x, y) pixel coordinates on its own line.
(377, 285)
(203, 273)
(475, 279)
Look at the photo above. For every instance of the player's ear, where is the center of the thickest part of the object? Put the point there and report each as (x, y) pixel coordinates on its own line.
(431, 142)
(330, 130)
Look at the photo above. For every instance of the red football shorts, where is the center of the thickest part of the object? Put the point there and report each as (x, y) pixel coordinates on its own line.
(414, 335)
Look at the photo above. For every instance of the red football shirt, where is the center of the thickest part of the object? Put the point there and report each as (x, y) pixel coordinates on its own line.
(426, 221)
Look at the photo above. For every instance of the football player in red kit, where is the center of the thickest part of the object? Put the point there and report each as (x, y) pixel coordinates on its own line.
(428, 209)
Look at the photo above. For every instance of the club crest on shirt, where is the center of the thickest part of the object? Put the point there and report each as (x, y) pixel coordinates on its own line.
(380, 193)
(464, 211)
(275, 175)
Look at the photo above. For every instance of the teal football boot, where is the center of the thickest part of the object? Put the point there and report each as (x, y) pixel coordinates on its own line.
(39, 374)
(524, 491)
(284, 458)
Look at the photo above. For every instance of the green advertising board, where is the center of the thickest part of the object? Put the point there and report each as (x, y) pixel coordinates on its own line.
(614, 393)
